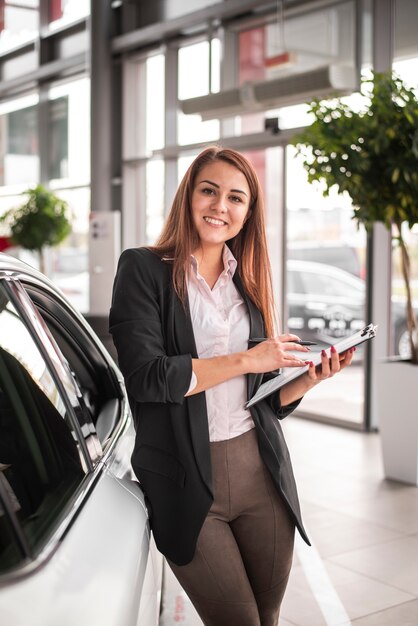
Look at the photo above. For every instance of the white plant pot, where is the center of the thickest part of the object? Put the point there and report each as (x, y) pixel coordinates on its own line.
(397, 403)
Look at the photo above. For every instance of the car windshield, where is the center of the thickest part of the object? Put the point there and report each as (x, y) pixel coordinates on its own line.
(326, 284)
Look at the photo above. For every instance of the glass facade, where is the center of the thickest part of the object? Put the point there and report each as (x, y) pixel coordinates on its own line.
(322, 294)
(19, 158)
(63, 12)
(326, 288)
(19, 151)
(69, 177)
(154, 199)
(202, 62)
(68, 168)
(19, 22)
(45, 137)
(69, 122)
(154, 102)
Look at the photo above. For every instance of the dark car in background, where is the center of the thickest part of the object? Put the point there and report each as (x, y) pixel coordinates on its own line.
(340, 255)
(326, 303)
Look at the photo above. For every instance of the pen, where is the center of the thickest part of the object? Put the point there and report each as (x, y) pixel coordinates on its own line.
(302, 342)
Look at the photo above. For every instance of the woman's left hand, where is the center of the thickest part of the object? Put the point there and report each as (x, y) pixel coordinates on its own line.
(330, 365)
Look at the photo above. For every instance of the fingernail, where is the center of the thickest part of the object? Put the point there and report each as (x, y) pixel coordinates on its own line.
(333, 349)
(311, 364)
(323, 353)
(307, 362)
(354, 348)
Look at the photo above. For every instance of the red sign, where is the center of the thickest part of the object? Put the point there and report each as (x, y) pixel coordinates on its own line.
(5, 242)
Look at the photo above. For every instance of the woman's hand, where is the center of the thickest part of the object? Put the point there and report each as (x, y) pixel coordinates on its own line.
(274, 353)
(329, 365)
(266, 356)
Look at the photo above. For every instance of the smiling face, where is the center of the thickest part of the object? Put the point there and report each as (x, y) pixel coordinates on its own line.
(220, 204)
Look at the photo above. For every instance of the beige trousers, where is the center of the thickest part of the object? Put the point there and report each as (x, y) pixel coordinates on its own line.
(243, 556)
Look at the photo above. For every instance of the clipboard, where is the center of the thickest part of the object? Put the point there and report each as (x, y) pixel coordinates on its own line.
(291, 373)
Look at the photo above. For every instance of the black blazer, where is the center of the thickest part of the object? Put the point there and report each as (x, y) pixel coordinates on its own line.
(153, 335)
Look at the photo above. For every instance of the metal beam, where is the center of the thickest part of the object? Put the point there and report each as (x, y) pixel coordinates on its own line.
(217, 13)
(20, 50)
(168, 29)
(250, 141)
(379, 253)
(295, 9)
(44, 138)
(101, 115)
(71, 65)
(170, 135)
(55, 36)
(50, 63)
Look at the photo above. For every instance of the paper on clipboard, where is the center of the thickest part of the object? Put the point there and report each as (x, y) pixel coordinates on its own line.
(290, 373)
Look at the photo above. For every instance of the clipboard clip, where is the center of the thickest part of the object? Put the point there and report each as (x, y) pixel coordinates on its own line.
(369, 330)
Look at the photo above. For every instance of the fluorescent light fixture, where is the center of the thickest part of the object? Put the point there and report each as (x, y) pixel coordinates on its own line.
(326, 81)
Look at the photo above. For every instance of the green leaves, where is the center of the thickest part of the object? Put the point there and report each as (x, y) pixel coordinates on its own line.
(41, 221)
(372, 154)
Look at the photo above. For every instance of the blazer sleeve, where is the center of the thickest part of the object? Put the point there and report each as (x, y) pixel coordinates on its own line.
(136, 325)
(282, 411)
(275, 402)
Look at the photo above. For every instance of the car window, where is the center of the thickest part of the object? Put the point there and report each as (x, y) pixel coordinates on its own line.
(100, 391)
(324, 284)
(294, 282)
(343, 257)
(41, 461)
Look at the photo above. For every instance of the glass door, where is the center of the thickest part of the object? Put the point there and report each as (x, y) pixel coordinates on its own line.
(318, 258)
(325, 286)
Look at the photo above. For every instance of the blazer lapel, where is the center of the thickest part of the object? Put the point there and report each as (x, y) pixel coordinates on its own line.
(182, 332)
(256, 330)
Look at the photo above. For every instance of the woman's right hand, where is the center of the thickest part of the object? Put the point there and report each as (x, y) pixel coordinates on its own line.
(267, 356)
(274, 353)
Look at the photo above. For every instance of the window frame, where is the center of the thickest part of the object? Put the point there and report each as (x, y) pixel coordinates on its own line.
(57, 366)
(78, 332)
(14, 286)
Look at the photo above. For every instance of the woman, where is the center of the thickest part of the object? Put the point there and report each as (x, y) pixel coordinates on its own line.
(217, 477)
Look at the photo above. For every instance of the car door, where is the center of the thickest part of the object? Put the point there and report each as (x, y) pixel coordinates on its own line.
(73, 527)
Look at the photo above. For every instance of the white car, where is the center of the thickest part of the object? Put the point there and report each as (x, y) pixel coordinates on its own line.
(74, 532)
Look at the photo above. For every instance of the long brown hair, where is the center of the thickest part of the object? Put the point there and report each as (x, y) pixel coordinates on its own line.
(179, 237)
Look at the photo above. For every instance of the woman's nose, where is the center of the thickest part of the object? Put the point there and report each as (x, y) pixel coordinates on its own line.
(219, 204)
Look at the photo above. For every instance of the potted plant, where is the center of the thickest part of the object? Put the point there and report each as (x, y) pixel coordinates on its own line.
(372, 154)
(41, 221)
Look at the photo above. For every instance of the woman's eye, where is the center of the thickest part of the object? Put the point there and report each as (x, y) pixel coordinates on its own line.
(208, 190)
(236, 198)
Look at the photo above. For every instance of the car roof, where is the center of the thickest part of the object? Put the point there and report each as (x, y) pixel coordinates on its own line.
(311, 245)
(12, 265)
(323, 268)
(31, 277)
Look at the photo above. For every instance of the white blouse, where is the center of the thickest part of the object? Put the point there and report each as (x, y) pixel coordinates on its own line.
(221, 326)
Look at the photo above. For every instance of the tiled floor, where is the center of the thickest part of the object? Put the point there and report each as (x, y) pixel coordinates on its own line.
(363, 566)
